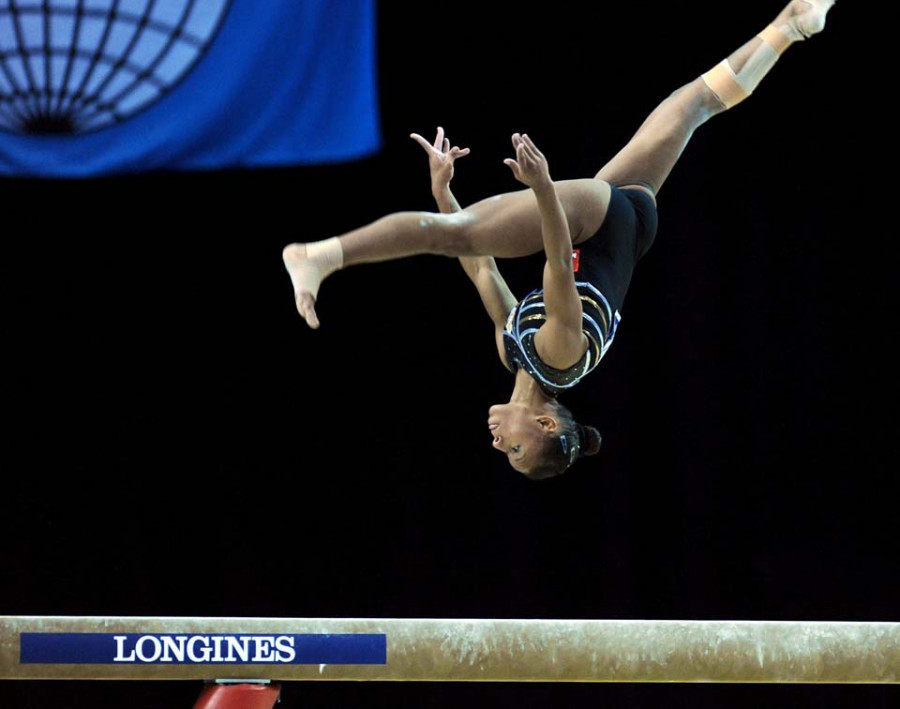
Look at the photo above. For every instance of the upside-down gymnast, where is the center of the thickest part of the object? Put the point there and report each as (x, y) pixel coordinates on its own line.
(557, 334)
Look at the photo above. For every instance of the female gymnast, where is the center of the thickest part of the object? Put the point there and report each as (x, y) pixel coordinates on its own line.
(557, 334)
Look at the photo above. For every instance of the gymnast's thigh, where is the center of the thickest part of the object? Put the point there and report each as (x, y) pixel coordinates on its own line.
(509, 225)
(506, 225)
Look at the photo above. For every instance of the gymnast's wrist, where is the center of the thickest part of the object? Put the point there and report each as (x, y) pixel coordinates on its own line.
(544, 187)
(440, 188)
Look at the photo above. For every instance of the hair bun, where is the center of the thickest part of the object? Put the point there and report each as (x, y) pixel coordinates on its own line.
(592, 440)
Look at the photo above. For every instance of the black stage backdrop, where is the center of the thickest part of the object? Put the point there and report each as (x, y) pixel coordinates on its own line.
(177, 442)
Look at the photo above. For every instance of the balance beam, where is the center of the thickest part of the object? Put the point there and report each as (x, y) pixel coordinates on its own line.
(279, 649)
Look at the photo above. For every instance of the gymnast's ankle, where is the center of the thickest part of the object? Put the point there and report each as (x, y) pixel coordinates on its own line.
(308, 265)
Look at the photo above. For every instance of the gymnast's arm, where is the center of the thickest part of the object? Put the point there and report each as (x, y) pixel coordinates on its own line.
(495, 294)
(560, 341)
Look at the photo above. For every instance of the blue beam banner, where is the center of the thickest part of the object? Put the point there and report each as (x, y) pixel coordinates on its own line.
(202, 648)
(96, 87)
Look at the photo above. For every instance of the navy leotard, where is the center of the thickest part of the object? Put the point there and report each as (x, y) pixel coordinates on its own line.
(605, 266)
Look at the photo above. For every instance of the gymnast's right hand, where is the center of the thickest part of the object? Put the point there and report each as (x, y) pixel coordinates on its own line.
(440, 157)
(530, 166)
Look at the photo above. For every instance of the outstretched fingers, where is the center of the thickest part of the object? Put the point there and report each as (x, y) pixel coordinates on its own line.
(530, 146)
(421, 141)
(528, 150)
(530, 165)
(514, 166)
(441, 146)
(525, 151)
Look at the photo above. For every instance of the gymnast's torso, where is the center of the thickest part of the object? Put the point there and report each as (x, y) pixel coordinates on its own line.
(605, 264)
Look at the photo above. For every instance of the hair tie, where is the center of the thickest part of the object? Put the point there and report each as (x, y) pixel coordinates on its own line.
(571, 444)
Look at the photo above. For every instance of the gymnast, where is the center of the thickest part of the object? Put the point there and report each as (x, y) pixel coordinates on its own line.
(592, 231)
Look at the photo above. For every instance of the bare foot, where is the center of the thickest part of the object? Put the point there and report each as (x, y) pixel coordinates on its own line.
(305, 277)
(306, 306)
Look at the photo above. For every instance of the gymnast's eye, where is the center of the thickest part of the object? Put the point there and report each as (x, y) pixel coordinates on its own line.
(515, 449)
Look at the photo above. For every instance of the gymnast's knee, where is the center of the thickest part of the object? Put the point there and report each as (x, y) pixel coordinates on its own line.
(451, 235)
(695, 100)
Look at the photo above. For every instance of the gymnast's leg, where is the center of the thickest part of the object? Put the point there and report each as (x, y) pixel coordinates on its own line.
(504, 226)
(508, 225)
(490, 227)
(650, 155)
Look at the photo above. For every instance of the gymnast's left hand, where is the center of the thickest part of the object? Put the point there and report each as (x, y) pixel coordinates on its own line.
(530, 166)
(440, 157)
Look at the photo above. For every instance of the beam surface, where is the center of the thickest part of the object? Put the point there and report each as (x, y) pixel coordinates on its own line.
(47, 647)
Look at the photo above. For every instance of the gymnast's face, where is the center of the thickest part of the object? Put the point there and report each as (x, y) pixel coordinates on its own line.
(519, 432)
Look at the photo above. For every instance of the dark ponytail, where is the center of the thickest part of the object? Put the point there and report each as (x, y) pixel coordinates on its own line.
(569, 443)
(591, 440)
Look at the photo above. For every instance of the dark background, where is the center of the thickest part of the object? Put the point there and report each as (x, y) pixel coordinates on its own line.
(177, 442)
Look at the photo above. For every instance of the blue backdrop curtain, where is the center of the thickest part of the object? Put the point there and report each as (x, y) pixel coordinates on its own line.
(94, 87)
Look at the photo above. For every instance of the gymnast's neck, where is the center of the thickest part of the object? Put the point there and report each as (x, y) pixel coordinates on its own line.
(527, 391)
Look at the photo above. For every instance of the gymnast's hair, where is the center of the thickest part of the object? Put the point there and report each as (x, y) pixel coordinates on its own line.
(567, 444)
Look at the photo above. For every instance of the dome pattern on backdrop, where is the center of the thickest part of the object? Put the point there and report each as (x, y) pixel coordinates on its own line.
(71, 66)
